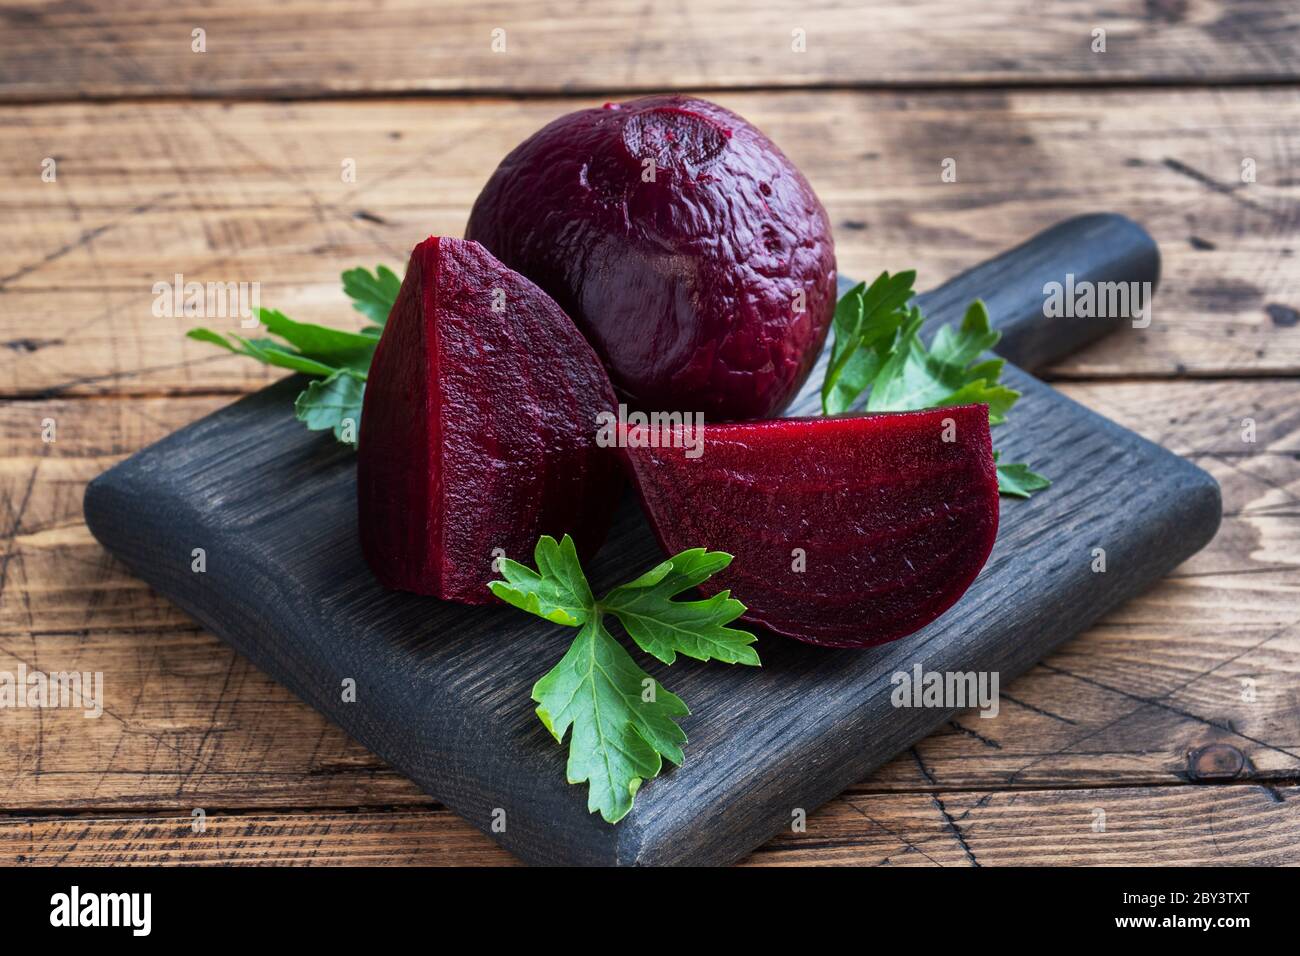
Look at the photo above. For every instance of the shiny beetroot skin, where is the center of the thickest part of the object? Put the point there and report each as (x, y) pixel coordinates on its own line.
(478, 428)
(894, 523)
(690, 285)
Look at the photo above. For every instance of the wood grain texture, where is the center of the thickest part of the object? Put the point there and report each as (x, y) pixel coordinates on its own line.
(1169, 826)
(98, 48)
(311, 838)
(1189, 683)
(190, 723)
(274, 507)
(1123, 826)
(252, 192)
(1151, 695)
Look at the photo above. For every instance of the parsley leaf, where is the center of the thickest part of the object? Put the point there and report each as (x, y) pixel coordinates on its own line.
(945, 374)
(621, 717)
(372, 295)
(266, 351)
(878, 350)
(1018, 481)
(339, 358)
(662, 627)
(557, 590)
(623, 722)
(865, 322)
(333, 404)
(333, 347)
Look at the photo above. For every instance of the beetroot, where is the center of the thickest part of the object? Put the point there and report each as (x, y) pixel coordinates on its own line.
(478, 428)
(847, 532)
(687, 248)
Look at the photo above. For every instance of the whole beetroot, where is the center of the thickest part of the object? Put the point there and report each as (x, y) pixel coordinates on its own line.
(690, 251)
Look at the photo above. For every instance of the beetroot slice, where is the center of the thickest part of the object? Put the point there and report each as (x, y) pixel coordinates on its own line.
(893, 521)
(478, 428)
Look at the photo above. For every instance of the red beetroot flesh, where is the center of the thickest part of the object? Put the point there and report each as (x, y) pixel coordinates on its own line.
(478, 428)
(895, 522)
(689, 286)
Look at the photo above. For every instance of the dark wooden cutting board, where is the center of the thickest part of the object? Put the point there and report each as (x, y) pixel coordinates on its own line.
(442, 691)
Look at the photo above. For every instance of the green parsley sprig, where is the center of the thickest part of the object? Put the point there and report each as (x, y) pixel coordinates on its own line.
(621, 722)
(339, 360)
(878, 350)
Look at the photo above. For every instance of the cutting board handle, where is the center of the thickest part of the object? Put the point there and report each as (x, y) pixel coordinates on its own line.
(1096, 248)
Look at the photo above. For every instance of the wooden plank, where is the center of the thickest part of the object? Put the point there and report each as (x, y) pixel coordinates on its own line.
(1154, 694)
(1124, 826)
(432, 837)
(252, 192)
(1156, 826)
(105, 49)
(181, 713)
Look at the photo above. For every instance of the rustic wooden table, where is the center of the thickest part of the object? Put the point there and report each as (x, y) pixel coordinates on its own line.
(1176, 720)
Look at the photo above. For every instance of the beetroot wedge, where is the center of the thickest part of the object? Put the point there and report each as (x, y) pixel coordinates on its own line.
(847, 532)
(478, 432)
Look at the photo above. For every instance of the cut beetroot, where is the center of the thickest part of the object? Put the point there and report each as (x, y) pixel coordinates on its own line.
(847, 532)
(687, 247)
(478, 428)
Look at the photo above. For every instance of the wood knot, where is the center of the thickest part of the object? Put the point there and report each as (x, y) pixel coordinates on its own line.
(1215, 762)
